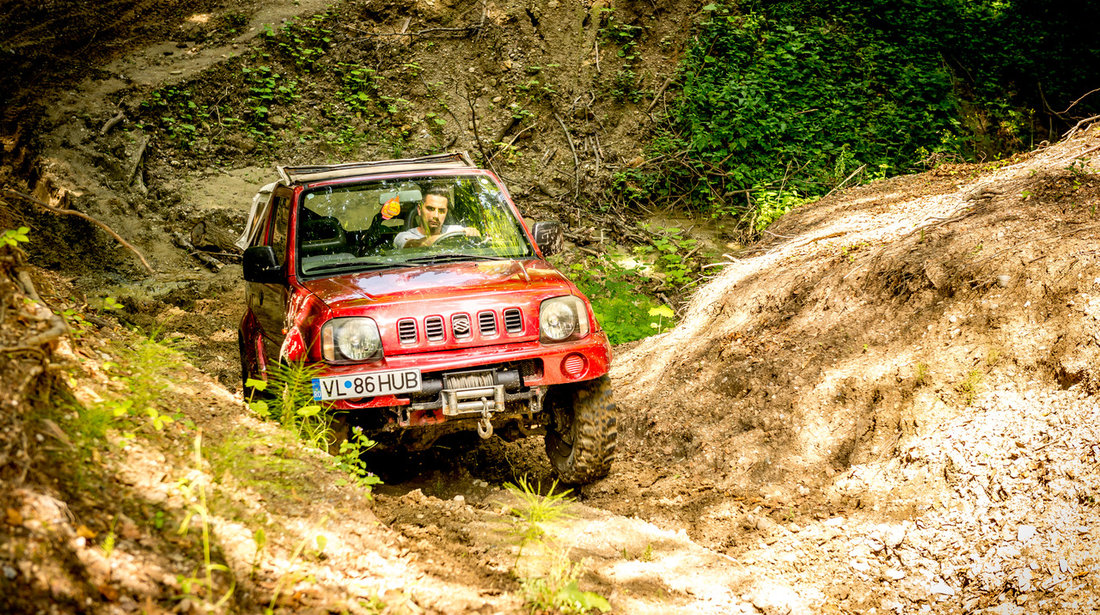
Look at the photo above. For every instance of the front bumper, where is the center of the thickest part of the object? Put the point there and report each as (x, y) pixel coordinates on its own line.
(544, 365)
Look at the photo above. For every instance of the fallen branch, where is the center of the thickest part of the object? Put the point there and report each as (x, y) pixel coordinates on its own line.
(576, 163)
(80, 214)
(208, 261)
(1073, 131)
(657, 94)
(111, 123)
(419, 33)
(136, 162)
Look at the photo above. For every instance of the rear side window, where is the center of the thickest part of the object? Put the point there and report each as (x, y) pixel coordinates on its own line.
(281, 220)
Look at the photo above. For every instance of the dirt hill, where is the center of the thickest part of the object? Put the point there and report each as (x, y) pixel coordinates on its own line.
(886, 405)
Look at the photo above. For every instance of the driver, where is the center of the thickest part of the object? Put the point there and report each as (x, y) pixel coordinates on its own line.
(432, 213)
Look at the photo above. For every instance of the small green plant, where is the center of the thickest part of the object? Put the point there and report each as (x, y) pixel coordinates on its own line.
(920, 374)
(534, 510)
(304, 41)
(290, 401)
(194, 491)
(350, 459)
(559, 592)
(971, 385)
(259, 539)
(14, 237)
(661, 312)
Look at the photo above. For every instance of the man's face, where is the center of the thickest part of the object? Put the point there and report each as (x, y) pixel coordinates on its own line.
(433, 211)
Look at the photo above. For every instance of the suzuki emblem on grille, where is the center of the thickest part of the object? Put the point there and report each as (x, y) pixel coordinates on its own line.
(461, 325)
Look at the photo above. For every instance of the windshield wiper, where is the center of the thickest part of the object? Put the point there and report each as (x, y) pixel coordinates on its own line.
(451, 257)
(347, 265)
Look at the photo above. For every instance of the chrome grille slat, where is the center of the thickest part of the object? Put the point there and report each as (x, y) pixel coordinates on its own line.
(433, 328)
(487, 323)
(406, 331)
(513, 320)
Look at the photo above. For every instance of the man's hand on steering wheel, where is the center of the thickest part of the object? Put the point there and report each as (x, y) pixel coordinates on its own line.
(469, 235)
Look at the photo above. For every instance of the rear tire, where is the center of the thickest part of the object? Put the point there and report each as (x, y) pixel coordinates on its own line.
(580, 439)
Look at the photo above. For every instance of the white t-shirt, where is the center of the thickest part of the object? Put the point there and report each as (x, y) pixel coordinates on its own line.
(415, 233)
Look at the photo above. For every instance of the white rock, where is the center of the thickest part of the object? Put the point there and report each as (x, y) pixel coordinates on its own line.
(1025, 533)
(461, 499)
(893, 574)
(859, 566)
(1023, 579)
(1063, 565)
(894, 536)
(941, 588)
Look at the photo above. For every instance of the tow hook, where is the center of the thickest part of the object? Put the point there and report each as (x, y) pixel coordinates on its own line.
(484, 427)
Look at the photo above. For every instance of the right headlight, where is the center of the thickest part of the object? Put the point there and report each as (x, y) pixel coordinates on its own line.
(562, 318)
(350, 339)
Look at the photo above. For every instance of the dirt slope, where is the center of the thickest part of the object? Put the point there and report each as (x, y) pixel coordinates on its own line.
(912, 361)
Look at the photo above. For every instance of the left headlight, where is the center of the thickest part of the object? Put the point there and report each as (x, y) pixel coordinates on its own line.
(350, 339)
(562, 318)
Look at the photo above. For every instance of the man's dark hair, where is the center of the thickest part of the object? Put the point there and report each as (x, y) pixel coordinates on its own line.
(439, 191)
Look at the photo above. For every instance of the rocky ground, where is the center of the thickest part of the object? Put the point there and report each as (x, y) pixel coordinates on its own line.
(885, 405)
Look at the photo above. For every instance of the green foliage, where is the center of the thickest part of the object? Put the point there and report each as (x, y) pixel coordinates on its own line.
(177, 113)
(143, 373)
(304, 41)
(624, 313)
(797, 96)
(350, 459)
(559, 592)
(535, 509)
(671, 249)
(782, 108)
(290, 402)
(193, 489)
(14, 237)
(623, 87)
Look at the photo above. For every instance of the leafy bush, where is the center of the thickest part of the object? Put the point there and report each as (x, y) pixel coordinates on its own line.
(796, 96)
(771, 104)
(624, 313)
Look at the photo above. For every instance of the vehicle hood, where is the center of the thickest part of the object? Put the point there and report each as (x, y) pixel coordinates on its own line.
(436, 282)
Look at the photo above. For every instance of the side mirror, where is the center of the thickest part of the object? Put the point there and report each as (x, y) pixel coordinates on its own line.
(548, 236)
(260, 266)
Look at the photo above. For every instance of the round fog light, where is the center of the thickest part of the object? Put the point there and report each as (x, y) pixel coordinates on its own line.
(574, 365)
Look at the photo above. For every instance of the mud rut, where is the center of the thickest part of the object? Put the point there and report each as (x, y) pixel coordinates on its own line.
(668, 530)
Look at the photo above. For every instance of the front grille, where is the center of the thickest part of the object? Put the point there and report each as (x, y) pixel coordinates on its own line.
(433, 328)
(513, 320)
(460, 325)
(487, 323)
(406, 331)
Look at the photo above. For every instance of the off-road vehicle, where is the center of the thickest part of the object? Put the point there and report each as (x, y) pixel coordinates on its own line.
(428, 304)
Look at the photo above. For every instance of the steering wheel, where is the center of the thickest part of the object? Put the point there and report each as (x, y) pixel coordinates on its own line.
(456, 238)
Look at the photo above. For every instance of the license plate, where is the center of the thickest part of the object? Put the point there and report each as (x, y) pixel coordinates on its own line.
(370, 384)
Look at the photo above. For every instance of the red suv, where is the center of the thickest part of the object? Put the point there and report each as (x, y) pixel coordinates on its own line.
(428, 305)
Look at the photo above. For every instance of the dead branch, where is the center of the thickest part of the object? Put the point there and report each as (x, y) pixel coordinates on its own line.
(1082, 123)
(111, 123)
(208, 261)
(477, 133)
(657, 94)
(135, 162)
(80, 214)
(419, 33)
(576, 163)
(841, 184)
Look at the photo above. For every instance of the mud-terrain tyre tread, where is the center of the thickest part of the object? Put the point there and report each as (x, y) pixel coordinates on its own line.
(594, 433)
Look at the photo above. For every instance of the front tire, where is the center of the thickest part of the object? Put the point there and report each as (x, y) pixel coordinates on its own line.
(580, 439)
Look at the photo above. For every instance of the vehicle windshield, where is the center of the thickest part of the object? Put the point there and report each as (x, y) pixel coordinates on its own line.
(404, 222)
